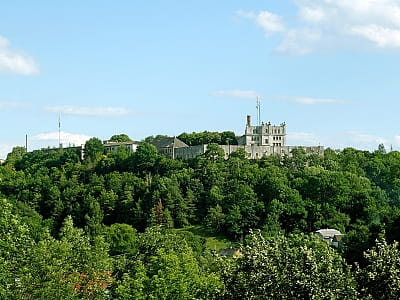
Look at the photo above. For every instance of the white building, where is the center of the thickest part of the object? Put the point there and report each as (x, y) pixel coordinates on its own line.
(114, 146)
(263, 134)
(332, 236)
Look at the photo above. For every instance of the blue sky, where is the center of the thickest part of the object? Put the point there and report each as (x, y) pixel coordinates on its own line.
(328, 68)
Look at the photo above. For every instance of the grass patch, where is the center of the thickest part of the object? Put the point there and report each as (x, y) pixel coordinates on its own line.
(213, 241)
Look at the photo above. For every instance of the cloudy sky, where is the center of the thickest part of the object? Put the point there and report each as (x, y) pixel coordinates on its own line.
(329, 68)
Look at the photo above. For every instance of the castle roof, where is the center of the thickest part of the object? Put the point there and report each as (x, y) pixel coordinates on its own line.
(168, 142)
(328, 233)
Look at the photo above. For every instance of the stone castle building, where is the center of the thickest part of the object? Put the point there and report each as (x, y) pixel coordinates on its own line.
(263, 135)
(258, 141)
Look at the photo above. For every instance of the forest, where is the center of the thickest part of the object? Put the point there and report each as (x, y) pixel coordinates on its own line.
(141, 226)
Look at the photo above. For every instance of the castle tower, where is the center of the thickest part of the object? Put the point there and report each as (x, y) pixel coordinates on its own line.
(264, 134)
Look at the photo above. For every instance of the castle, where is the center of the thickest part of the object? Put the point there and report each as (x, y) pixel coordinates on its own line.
(263, 135)
(258, 141)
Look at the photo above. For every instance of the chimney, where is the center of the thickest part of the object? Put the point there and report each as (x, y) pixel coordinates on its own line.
(248, 120)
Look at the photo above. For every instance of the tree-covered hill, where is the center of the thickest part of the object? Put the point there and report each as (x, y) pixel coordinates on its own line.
(106, 226)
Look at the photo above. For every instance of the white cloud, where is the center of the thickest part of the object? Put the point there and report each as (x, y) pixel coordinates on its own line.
(5, 148)
(324, 25)
(90, 111)
(380, 36)
(341, 140)
(303, 139)
(363, 141)
(366, 139)
(65, 138)
(13, 61)
(243, 94)
(268, 21)
(13, 105)
(312, 14)
(299, 41)
(308, 100)
(396, 140)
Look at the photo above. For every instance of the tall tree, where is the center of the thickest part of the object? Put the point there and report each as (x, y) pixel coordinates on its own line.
(93, 149)
(145, 158)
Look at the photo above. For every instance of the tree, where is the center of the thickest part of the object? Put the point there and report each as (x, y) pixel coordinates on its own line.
(72, 267)
(228, 137)
(122, 239)
(168, 269)
(242, 209)
(240, 154)
(93, 149)
(16, 154)
(298, 160)
(214, 152)
(120, 138)
(151, 138)
(381, 149)
(200, 138)
(15, 244)
(293, 267)
(145, 158)
(380, 279)
(215, 218)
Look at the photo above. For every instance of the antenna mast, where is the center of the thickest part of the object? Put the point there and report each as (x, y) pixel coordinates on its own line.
(59, 130)
(258, 106)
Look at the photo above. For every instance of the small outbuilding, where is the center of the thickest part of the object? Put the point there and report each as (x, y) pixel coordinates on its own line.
(332, 236)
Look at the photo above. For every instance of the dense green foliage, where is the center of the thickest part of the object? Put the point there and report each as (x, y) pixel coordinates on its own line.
(207, 137)
(107, 226)
(118, 138)
(293, 267)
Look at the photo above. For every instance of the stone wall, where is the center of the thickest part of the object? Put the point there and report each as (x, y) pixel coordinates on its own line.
(253, 151)
(189, 152)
